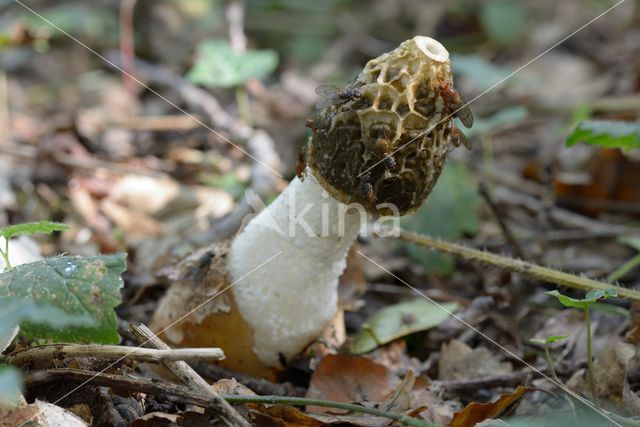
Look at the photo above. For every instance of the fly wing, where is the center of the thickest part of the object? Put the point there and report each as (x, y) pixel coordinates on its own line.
(464, 113)
(330, 95)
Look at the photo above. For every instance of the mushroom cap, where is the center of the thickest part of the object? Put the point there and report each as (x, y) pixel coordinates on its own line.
(383, 142)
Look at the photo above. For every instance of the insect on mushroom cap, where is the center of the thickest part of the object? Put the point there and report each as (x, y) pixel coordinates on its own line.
(401, 113)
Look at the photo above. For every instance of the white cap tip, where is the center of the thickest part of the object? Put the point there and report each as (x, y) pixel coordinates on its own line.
(432, 48)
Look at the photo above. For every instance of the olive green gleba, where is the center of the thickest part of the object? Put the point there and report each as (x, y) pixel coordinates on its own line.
(388, 144)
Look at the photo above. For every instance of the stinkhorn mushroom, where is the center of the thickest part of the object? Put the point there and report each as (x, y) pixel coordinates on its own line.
(377, 148)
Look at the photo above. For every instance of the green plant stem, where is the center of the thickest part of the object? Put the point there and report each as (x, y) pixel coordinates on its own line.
(302, 401)
(624, 269)
(592, 381)
(5, 255)
(244, 107)
(517, 266)
(547, 355)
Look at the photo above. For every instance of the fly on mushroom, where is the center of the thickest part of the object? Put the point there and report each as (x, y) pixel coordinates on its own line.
(366, 188)
(456, 104)
(382, 144)
(334, 95)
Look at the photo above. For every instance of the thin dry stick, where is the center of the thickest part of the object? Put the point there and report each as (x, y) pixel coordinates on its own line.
(187, 375)
(517, 266)
(114, 352)
(127, 45)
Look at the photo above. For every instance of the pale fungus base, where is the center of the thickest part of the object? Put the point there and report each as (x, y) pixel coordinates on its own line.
(400, 98)
(218, 322)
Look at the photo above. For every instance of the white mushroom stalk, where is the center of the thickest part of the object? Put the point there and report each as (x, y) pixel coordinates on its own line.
(377, 148)
(290, 300)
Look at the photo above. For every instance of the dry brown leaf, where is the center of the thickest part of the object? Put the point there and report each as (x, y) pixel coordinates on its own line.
(231, 386)
(346, 378)
(587, 186)
(332, 338)
(440, 411)
(458, 361)
(475, 412)
(610, 373)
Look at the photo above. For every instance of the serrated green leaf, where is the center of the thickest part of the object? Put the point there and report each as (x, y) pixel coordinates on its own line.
(31, 228)
(591, 297)
(503, 20)
(78, 286)
(449, 213)
(548, 340)
(218, 66)
(608, 134)
(399, 320)
(10, 385)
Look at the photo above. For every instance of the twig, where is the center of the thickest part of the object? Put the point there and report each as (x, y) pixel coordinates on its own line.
(29, 152)
(5, 122)
(235, 20)
(195, 97)
(179, 394)
(517, 266)
(127, 45)
(113, 352)
(166, 123)
(188, 375)
(238, 42)
(506, 230)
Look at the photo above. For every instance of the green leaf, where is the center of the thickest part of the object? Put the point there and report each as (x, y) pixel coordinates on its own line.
(399, 320)
(609, 134)
(218, 66)
(548, 340)
(78, 18)
(31, 228)
(591, 297)
(503, 20)
(449, 213)
(16, 310)
(79, 286)
(10, 385)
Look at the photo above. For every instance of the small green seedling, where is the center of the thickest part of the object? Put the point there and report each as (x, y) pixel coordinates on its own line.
(585, 304)
(545, 342)
(26, 229)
